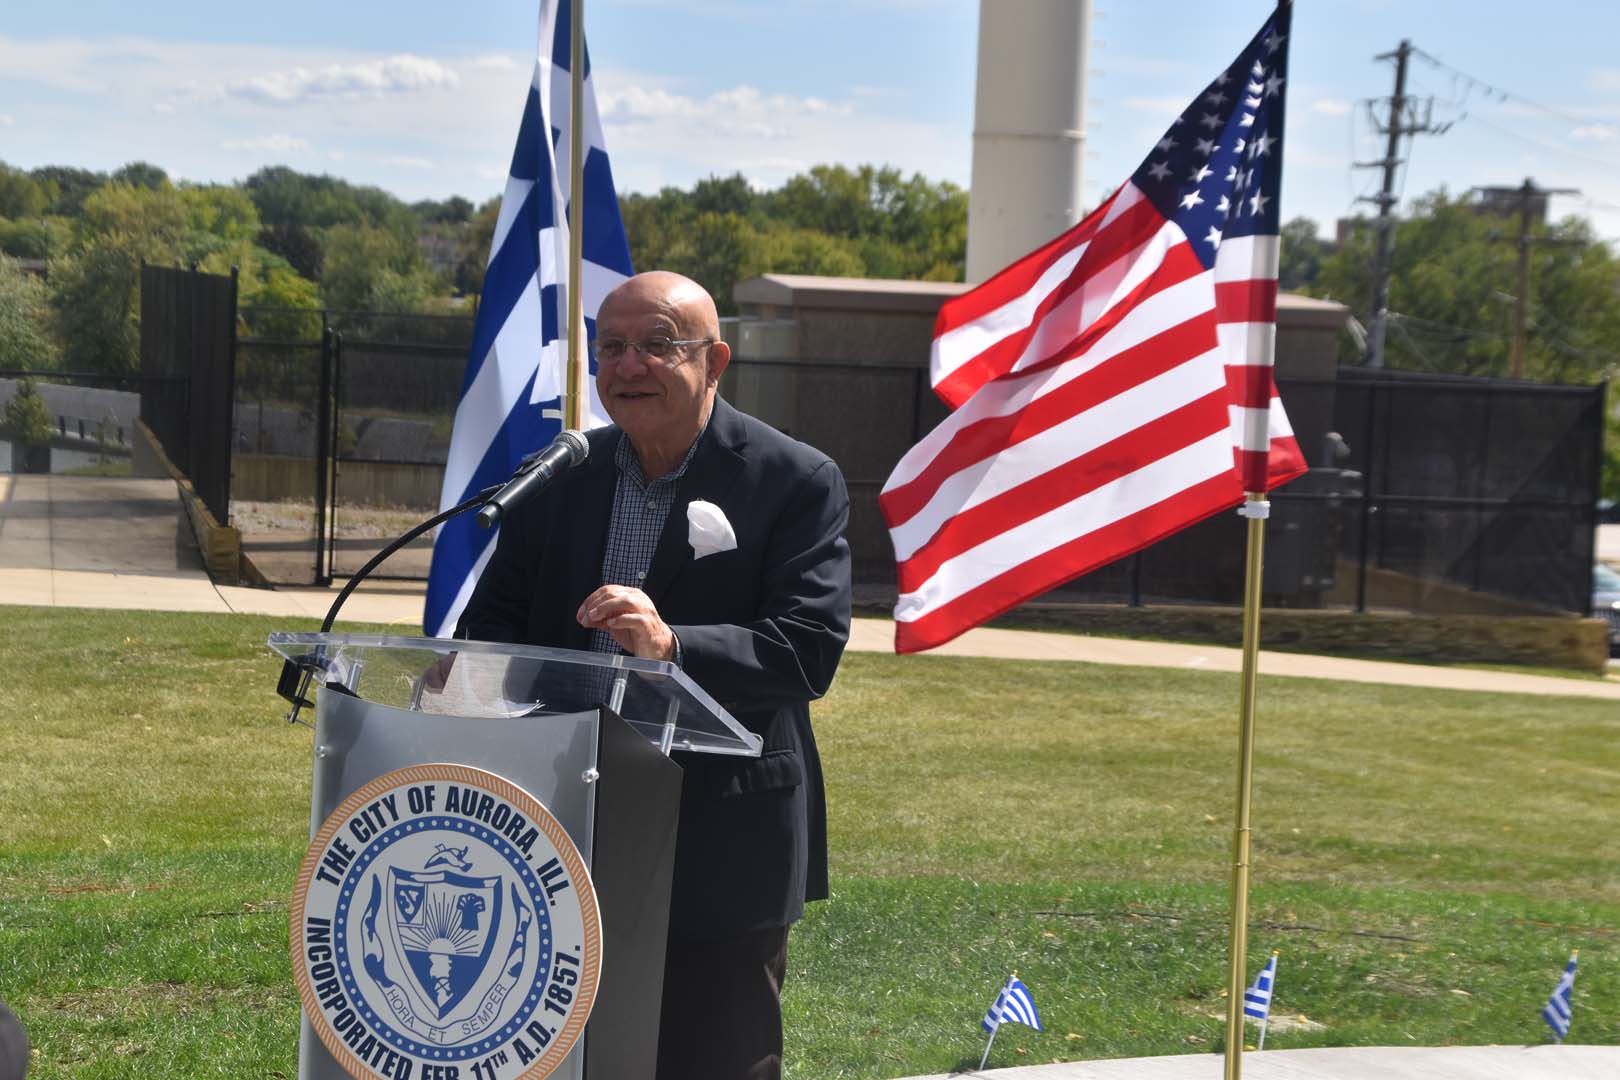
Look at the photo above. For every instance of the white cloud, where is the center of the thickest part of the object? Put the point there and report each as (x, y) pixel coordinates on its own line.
(269, 144)
(1330, 106)
(438, 125)
(1598, 132)
(659, 135)
(403, 73)
(741, 112)
(6, 120)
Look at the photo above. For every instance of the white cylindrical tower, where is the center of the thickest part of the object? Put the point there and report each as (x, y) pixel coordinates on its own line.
(1028, 128)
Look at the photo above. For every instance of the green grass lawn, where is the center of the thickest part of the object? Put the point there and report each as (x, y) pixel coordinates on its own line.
(1424, 860)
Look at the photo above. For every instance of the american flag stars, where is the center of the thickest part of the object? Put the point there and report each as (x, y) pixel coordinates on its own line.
(1230, 167)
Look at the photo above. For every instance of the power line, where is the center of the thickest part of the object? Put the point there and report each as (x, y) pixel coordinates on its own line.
(1491, 90)
(1541, 144)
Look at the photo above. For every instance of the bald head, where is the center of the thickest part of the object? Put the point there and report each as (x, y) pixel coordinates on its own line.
(682, 299)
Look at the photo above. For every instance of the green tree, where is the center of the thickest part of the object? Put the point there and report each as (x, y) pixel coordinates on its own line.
(95, 291)
(1301, 255)
(145, 222)
(25, 420)
(25, 340)
(1452, 286)
(21, 196)
(472, 248)
(35, 238)
(93, 309)
(368, 268)
(141, 174)
(300, 245)
(67, 187)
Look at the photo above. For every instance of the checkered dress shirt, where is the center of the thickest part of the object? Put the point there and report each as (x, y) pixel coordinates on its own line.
(639, 512)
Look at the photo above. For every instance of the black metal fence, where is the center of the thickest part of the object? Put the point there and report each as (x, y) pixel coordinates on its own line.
(188, 356)
(1426, 494)
(342, 426)
(1472, 488)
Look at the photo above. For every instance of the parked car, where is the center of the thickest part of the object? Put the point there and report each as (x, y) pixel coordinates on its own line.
(1606, 602)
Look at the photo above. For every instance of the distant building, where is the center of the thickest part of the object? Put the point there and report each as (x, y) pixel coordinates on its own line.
(1509, 202)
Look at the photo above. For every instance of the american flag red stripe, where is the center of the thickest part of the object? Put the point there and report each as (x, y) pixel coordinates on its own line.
(1075, 279)
(1113, 386)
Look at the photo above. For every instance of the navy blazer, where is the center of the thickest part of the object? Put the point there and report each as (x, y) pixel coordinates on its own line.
(762, 628)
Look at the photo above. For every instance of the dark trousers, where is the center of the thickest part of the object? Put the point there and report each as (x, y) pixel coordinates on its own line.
(722, 1017)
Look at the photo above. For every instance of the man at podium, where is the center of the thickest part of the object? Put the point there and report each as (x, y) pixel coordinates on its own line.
(697, 534)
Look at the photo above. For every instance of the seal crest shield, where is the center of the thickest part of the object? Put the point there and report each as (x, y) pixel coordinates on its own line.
(442, 916)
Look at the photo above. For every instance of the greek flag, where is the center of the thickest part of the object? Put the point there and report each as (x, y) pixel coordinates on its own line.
(1257, 998)
(1012, 1005)
(1558, 1010)
(510, 396)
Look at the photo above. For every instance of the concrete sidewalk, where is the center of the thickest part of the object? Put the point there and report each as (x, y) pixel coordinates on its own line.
(97, 543)
(1546, 1062)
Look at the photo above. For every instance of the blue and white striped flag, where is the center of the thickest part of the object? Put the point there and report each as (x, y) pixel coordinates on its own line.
(1560, 1006)
(1257, 998)
(510, 396)
(1012, 1005)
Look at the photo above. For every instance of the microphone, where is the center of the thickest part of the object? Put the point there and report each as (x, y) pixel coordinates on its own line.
(537, 470)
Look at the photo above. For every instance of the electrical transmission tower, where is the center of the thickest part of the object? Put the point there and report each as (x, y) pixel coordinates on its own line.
(1407, 116)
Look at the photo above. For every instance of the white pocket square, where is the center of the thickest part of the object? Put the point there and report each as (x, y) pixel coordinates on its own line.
(707, 529)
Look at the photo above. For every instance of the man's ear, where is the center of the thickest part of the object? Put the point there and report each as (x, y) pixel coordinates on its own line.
(718, 359)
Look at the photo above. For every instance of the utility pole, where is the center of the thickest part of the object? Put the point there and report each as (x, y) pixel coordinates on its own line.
(1403, 120)
(1529, 197)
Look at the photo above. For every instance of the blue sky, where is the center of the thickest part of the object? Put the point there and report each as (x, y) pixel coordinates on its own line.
(423, 98)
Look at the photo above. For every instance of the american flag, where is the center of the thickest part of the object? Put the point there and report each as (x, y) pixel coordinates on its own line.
(1013, 1005)
(1257, 998)
(1560, 1006)
(1114, 386)
(511, 392)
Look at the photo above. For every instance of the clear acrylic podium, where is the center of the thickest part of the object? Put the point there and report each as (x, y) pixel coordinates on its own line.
(587, 734)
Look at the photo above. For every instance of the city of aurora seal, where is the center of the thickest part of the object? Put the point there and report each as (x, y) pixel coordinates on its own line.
(444, 928)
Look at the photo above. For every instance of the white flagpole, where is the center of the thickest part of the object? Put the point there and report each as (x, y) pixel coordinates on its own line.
(995, 1007)
(986, 1055)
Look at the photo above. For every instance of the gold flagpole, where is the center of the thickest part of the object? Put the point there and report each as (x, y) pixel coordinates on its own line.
(574, 394)
(1256, 509)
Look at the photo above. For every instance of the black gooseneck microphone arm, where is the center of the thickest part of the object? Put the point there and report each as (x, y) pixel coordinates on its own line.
(294, 682)
(533, 474)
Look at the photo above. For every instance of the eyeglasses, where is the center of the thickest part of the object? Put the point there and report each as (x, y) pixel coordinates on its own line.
(612, 350)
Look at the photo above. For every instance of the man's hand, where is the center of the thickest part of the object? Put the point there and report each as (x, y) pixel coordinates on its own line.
(438, 673)
(628, 614)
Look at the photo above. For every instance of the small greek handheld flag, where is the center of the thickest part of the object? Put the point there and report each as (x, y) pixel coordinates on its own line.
(1257, 999)
(1012, 1005)
(511, 393)
(1557, 1013)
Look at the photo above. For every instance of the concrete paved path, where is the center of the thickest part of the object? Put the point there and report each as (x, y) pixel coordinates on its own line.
(1344, 1063)
(90, 542)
